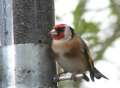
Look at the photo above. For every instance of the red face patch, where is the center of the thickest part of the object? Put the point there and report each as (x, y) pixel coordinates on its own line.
(59, 26)
(60, 30)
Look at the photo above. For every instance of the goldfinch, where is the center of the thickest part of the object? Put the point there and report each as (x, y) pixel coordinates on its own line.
(72, 53)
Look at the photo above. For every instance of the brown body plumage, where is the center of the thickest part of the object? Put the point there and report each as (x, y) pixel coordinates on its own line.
(72, 53)
(69, 55)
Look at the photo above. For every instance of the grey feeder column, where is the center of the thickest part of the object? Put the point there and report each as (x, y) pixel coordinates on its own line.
(26, 58)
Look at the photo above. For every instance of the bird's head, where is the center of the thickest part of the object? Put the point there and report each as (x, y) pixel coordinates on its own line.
(61, 32)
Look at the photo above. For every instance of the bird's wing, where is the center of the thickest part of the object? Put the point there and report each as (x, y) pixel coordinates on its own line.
(87, 55)
(93, 71)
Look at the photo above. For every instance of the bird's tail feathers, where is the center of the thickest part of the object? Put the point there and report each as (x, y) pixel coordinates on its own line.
(97, 74)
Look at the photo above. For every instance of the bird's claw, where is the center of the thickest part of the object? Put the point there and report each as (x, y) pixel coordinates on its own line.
(85, 77)
(55, 78)
(73, 77)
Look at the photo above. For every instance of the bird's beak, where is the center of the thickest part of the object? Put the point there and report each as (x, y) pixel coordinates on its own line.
(53, 32)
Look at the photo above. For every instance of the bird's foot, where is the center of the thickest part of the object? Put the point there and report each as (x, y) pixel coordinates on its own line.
(55, 78)
(73, 77)
(85, 77)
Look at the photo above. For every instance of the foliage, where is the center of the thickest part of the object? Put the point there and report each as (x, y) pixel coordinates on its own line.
(92, 29)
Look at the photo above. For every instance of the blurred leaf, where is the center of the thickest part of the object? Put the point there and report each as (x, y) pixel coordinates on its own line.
(78, 13)
(91, 27)
(87, 27)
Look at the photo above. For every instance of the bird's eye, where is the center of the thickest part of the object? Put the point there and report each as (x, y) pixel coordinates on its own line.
(60, 30)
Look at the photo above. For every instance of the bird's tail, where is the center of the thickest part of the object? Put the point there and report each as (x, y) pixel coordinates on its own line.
(96, 74)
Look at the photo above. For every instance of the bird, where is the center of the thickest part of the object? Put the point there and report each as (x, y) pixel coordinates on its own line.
(72, 53)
